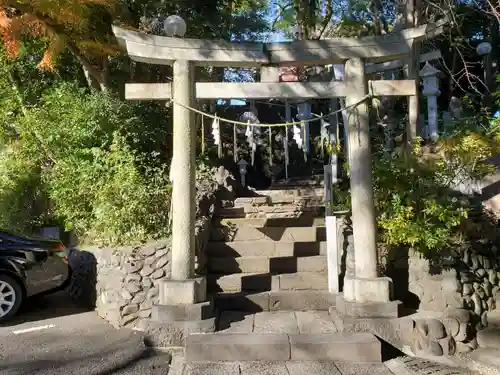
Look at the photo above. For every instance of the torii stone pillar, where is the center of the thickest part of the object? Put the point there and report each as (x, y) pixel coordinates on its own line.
(184, 178)
(366, 286)
(183, 287)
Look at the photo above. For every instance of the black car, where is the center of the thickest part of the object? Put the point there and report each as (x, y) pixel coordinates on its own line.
(29, 266)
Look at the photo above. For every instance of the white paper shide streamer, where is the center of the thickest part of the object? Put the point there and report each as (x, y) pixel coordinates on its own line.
(301, 133)
(297, 135)
(216, 131)
(252, 132)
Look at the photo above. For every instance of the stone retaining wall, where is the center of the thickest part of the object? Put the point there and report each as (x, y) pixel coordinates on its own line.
(126, 280)
(122, 282)
(465, 279)
(452, 296)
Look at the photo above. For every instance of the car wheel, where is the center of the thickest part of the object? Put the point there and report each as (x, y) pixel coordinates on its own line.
(11, 296)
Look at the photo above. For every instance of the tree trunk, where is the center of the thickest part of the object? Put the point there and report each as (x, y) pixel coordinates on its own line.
(91, 73)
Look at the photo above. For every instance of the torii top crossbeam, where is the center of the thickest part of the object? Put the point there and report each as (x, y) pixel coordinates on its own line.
(165, 50)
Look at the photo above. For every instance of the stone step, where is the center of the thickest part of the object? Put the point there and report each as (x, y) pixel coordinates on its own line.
(257, 201)
(279, 200)
(250, 233)
(302, 221)
(298, 191)
(494, 316)
(303, 281)
(265, 248)
(486, 360)
(285, 368)
(262, 264)
(406, 365)
(351, 347)
(259, 282)
(160, 334)
(272, 211)
(295, 300)
(186, 312)
(289, 322)
(311, 200)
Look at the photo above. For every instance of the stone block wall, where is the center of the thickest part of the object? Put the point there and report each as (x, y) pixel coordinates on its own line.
(122, 283)
(443, 334)
(126, 279)
(452, 296)
(436, 288)
(462, 280)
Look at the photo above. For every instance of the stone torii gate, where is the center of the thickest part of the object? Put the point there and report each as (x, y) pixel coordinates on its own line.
(186, 54)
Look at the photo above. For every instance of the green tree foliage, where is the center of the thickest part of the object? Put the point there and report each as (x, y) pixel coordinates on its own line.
(72, 154)
(79, 157)
(91, 177)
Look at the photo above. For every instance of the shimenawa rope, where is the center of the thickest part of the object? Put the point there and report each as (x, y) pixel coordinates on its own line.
(241, 123)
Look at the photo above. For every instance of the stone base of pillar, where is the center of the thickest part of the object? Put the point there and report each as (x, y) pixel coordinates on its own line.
(182, 310)
(366, 306)
(389, 309)
(348, 290)
(373, 290)
(181, 292)
(368, 290)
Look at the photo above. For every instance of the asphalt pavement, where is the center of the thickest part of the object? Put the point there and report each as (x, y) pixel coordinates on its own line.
(51, 337)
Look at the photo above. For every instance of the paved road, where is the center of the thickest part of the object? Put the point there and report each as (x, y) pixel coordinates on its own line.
(52, 337)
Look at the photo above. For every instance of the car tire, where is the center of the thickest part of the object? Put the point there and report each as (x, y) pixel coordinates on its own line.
(10, 287)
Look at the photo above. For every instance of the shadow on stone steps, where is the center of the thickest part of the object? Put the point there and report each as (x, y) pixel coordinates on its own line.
(389, 351)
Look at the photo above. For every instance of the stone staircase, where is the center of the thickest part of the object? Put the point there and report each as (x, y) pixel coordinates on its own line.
(266, 247)
(267, 274)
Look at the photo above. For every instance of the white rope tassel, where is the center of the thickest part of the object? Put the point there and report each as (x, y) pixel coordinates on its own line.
(202, 134)
(255, 134)
(216, 131)
(270, 146)
(235, 145)
(306, 111)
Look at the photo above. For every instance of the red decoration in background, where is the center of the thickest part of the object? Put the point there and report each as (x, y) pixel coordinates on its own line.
(289, 74)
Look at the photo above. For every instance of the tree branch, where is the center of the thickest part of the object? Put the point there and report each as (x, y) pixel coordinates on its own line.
(326, 20)
(88, 67)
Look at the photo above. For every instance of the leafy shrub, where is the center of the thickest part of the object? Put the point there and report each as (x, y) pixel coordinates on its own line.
(103, 195)
(23, 202)
(75, 150)
(415, 207)
(414, 191)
